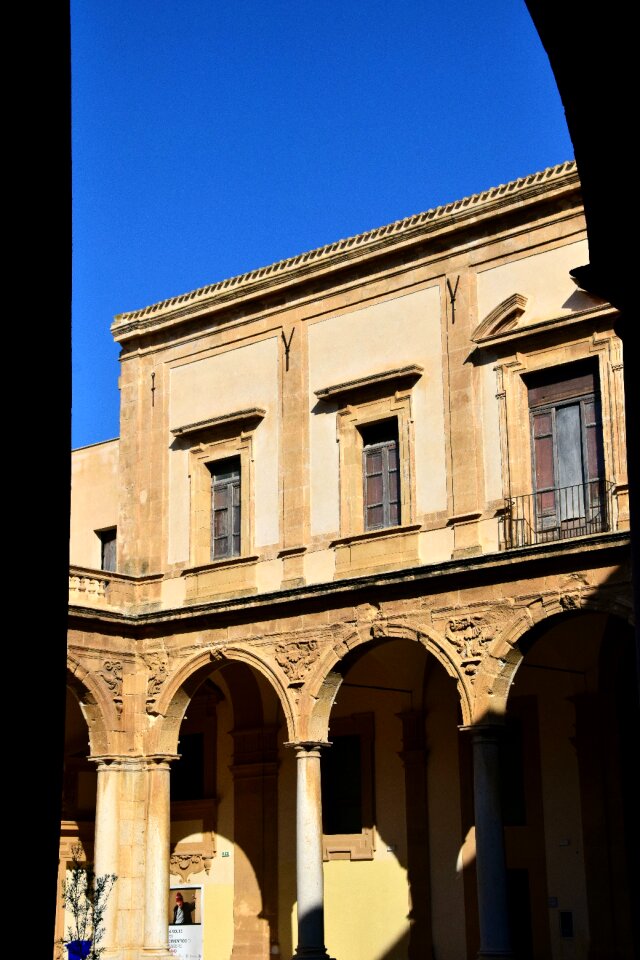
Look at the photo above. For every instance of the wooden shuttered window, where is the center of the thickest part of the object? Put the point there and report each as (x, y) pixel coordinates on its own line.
(225, 509)
(566, 440)
(108, 543)
(381, 475)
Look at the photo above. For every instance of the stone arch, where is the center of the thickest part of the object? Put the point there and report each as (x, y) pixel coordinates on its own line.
(96, 706)
(174, 698)
(505, 655)
(323, 685)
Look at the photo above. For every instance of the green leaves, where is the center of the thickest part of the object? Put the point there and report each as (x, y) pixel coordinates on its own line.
(85, 898)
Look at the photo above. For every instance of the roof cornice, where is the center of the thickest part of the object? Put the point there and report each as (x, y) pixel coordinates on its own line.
(562, 177)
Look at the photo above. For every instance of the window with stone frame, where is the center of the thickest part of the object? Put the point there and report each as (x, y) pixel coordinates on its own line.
(381, 474)
(348, 797)
(567, 450)
(225, 508)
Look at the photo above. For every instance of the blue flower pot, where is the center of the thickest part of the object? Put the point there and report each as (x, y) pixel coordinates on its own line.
(79, 949)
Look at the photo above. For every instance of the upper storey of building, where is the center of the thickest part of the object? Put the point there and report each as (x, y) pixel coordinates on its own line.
(429, 392)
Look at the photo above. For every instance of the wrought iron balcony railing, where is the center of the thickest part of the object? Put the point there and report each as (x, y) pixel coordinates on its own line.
(561, 513)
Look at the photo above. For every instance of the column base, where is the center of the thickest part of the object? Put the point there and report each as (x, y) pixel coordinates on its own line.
(311, 953)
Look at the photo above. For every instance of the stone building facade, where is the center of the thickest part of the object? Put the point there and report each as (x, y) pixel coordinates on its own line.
(349, 644)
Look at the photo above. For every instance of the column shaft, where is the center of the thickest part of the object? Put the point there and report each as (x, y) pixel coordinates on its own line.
(106, 845)
(157, 861)
(309, 870)
(491, 869)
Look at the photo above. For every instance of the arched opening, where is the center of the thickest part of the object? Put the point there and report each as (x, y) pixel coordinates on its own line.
(225, 813)
(569, 792)
(392, 812)
(78, 808)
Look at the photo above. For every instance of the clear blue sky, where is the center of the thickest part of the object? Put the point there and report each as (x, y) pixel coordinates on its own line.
(210, 138)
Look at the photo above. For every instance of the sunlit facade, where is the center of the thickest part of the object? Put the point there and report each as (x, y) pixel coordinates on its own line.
(349, 659)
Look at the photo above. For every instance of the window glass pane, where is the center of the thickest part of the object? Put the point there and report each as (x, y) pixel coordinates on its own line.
(542, 424)
(220, 497)
(375, 517)
(225, 495)
(546, 503)
(544, 463)
(593, 458)
(381, 476)
(374, 462)
(220, 519)
(374, 490)
(569, 444)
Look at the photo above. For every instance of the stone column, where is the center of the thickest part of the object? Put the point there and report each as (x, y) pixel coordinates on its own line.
(156, 882)
(309, 874)
(106, 844)
(491, 871)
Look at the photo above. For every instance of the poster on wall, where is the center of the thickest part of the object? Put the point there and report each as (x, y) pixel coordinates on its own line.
(185, 923)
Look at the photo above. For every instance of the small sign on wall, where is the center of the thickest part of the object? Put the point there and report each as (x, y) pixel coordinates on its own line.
(185, 923)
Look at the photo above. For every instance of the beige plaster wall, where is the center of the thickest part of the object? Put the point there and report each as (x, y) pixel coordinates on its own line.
(542, 277)
(94, 500)
(201, 389)
(365, 908)
(218, 884)
(351, 345)
(556, 671)
(386, 681)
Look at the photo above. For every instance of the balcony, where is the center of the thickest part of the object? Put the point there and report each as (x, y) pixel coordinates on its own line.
(560, 513)
(103, 590)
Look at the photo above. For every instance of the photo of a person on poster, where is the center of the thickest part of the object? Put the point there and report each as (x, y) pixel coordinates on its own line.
(182, 912)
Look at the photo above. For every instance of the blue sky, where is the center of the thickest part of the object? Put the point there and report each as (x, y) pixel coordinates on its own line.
(211, 138)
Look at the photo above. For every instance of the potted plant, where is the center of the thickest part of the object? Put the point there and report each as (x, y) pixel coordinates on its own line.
(85, 898)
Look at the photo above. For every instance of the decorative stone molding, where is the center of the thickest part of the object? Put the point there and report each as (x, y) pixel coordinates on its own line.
(183, 865)
(395, 631)
(502, 318)
(296, 660)
(239, 419)
(158, 666)
(112, 676)
(469, 635)
(389, 380)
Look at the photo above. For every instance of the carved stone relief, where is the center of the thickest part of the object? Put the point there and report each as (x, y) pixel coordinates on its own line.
(112, 677)
(183, 865)
(158, 666)
(469, 635)
(296, 659)
(569, 601)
